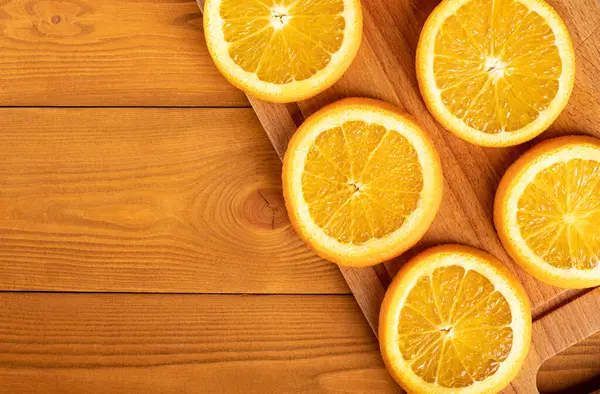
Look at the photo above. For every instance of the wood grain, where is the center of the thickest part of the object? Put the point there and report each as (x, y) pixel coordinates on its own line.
(557, 332)
(575, 370)
(107, 343)
(108, 53)
(150, 200)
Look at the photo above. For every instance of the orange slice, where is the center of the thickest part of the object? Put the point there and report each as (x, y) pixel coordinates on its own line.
(547, 211)
(362, 182)
(454, 320)
(283, 50)
(495, 72)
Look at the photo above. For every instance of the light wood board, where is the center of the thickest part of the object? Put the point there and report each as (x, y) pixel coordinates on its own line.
(384, 69)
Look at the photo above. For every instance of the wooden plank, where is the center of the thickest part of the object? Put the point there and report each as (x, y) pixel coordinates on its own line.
(150, 200)
(108, 53)
(106, 343)
(576, 369)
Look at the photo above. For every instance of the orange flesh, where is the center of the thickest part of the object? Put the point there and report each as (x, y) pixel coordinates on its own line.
(497, 65)
(559, 214)
(285, 40)
(361, 181)
(454, 328)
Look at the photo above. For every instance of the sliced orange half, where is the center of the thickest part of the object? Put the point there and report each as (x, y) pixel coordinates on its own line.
(454, 320)
(547, 211)
(362, 182)
(283, 50)
(495, 72)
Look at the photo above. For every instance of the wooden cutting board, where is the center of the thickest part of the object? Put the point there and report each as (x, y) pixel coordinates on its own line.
(384, 69)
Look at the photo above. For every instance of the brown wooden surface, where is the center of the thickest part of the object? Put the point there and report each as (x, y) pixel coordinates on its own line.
(172, 200)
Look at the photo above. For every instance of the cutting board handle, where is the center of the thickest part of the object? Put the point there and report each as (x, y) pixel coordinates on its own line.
(555, 332)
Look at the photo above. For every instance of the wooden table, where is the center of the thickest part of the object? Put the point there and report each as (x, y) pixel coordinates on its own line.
(144, 245)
